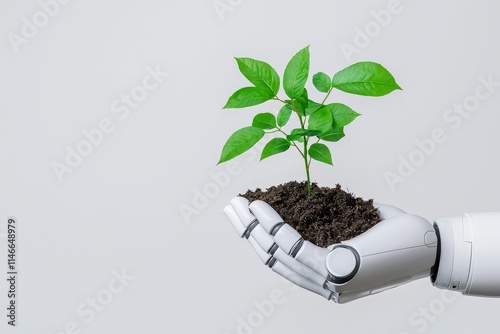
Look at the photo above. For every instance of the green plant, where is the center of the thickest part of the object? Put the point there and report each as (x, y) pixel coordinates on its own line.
(318, 121)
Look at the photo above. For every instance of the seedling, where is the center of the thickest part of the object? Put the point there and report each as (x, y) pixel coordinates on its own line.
(318, 121)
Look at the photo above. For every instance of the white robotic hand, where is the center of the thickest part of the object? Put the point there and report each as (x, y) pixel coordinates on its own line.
(399, 249)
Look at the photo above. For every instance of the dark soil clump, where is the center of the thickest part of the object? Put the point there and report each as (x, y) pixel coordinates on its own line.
(328, 216)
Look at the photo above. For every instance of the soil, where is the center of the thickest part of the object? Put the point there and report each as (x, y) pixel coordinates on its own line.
(328, 216)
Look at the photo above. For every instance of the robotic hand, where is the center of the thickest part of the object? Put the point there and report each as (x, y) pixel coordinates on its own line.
(459, 253)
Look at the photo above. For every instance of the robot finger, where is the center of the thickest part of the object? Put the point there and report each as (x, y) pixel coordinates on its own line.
(257, 236)
(263, 255)
(270, 220)
(240, 206)
(234, 220)
(260, 241)
(388, 211)
(265, 241)
(285, 236)
(289, 240)
(301, 281)
(313, 257)
(299, 268)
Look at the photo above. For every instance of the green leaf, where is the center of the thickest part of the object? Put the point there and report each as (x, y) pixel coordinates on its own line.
(264, 121)
(298, 133)
(320, 120)
(301, 103)
(284, 115)
(322, 82)
(335, 134)
(296, 73)
(342, 114)
(239, 142)
(365, 78)
(312, 107)
(320, 152)
(261, 74)
(247, 97)
(275, 146)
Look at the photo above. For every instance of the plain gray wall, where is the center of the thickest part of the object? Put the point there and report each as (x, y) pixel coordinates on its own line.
(119, 207)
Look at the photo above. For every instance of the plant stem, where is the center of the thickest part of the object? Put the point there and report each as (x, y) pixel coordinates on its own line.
(298, 149)
(304, 153)
(302, 122)
(328, 94)
(307, 164)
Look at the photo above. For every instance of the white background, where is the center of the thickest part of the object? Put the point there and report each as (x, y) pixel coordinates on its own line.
(119, 209)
